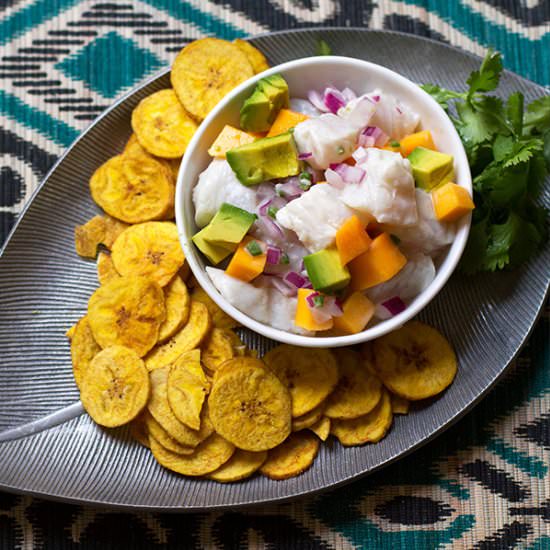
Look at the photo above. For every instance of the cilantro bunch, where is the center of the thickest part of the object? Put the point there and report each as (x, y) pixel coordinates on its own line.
(508, 149)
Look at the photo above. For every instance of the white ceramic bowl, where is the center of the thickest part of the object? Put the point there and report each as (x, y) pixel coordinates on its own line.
(303, 75)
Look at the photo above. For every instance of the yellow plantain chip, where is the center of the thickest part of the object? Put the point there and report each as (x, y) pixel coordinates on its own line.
(307, 420)
(162, 125)
(239, 347)
(83, 349)
(100, 230)
(240, 466)
(160, 409)
(70, 332)
(127, 311)
(399, 405)
(216, 349)
(188, 338)
(154, 429)
(134, 191)
(174, 165)
(138, 430)
(178, 305)
(249, 406)
(415, 361)
(151, 249)
(205, 71)
(184, 273)
(370, 428)
(309, 373)
(357, 392)
(187, 388)
(220, 319)
(254, 56)
(322, 428)
(106, 270)
(292, 457)
(115, 386)
(207, 457)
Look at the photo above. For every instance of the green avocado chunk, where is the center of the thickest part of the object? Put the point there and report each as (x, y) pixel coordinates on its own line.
(213, 252)
(265, 159)
(431, 168)
(262, 107)
(325, 270)
(229, 226)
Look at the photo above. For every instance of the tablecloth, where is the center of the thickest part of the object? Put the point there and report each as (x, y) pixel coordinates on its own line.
(484, 484)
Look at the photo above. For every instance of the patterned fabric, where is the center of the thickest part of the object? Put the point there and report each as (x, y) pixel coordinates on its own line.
(484, 483)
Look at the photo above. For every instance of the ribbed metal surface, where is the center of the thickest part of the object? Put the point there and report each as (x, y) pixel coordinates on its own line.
(44, 289)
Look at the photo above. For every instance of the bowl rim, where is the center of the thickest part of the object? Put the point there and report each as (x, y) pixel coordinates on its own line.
(451, 259)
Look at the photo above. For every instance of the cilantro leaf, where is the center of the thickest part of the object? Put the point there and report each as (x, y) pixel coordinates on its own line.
(441, 95)
(546, 148)
(514, 112)
(478, 123)
(501, 185)
(473, 257)
(538, 115)
(488, 76)
(323, 48)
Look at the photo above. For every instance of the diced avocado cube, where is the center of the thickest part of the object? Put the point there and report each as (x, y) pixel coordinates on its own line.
(260, 110)
(430, 168)
(213, 252)
(325, 270)
(229, 226)
(265, 159)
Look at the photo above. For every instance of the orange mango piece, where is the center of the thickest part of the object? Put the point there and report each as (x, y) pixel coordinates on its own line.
(243, 265)
(358, 311)
(352, 239)
(304, 317)
(379, 263)
(286, 119)
(418, 139)
(451, 202)
(227, 139)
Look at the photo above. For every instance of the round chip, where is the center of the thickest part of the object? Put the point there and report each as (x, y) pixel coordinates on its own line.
(83, 349)
(70, 332)
(115, 386)
(249, 405)
(292, 457)
(357, 392)
(188, 338)
(155, 430)
(133, 191)
(399, 405)
(208, 456)
(160, 409)
(220, 319)
(106, 270)
(255, 57)
(205, 71)
(216, 349)
(100, 230)
(178, 305)
(174, 165)
(322, 428)
(415, 361)
(370, 428)
(240, 466)
(187, 388)
(309, 373)
(307, 420)
(138, 430)
(151, 249)
(162, 126)
(127, 311)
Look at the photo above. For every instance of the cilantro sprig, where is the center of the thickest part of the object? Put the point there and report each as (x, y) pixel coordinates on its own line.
(508, 148)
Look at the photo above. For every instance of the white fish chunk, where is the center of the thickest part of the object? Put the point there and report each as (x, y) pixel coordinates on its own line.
(358, 111)
(393, 117)
(303, 106)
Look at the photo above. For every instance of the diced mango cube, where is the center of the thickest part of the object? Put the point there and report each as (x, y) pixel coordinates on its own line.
(286, 119)
(229, 138)
(418, 139)
(304, 317)
(451, 202)
(244, 265)
(358, 311)
(352, 239)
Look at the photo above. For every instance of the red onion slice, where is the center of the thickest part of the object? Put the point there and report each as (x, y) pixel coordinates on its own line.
(349, 95)
(273, 255)
(349, 174)
(316, 100)
(304, 156)
(395, 305)
(295, 279)
(360, 154)
(334, 99)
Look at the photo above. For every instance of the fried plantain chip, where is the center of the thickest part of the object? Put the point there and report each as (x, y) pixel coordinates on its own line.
(106, 270)
(399, 405)
(216, 349)
(249, 406)
(100, 230)
(188, 338)
(309, 373)
(132, 140)
(220, 319)
(138, 430)
(83, 349)
(240, 466)
(178, 305)
(162, 126)
(127, 311)
(151, 249)
(307, 420)
(357, 392)
(174, 165)
(415, 361)
(322, 428)
(160, 409)
(370, 428)
(205, 71)
(292, 457)
(70, 332)
(133, 191)
(255, 57)
(184, 273)
(208, 456)
(188, 388)
(154, 429)
(115, 386)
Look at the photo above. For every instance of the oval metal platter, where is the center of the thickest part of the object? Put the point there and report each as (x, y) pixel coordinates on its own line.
(49, 447)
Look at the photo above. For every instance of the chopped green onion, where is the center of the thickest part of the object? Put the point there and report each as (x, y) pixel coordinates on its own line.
(396, 240)
(319, 301)
(272, 212)
(395, 144)
(284, 258)
(340, 150)
(323, 48)
(253, 248)
(305, 176)
(280, 193)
